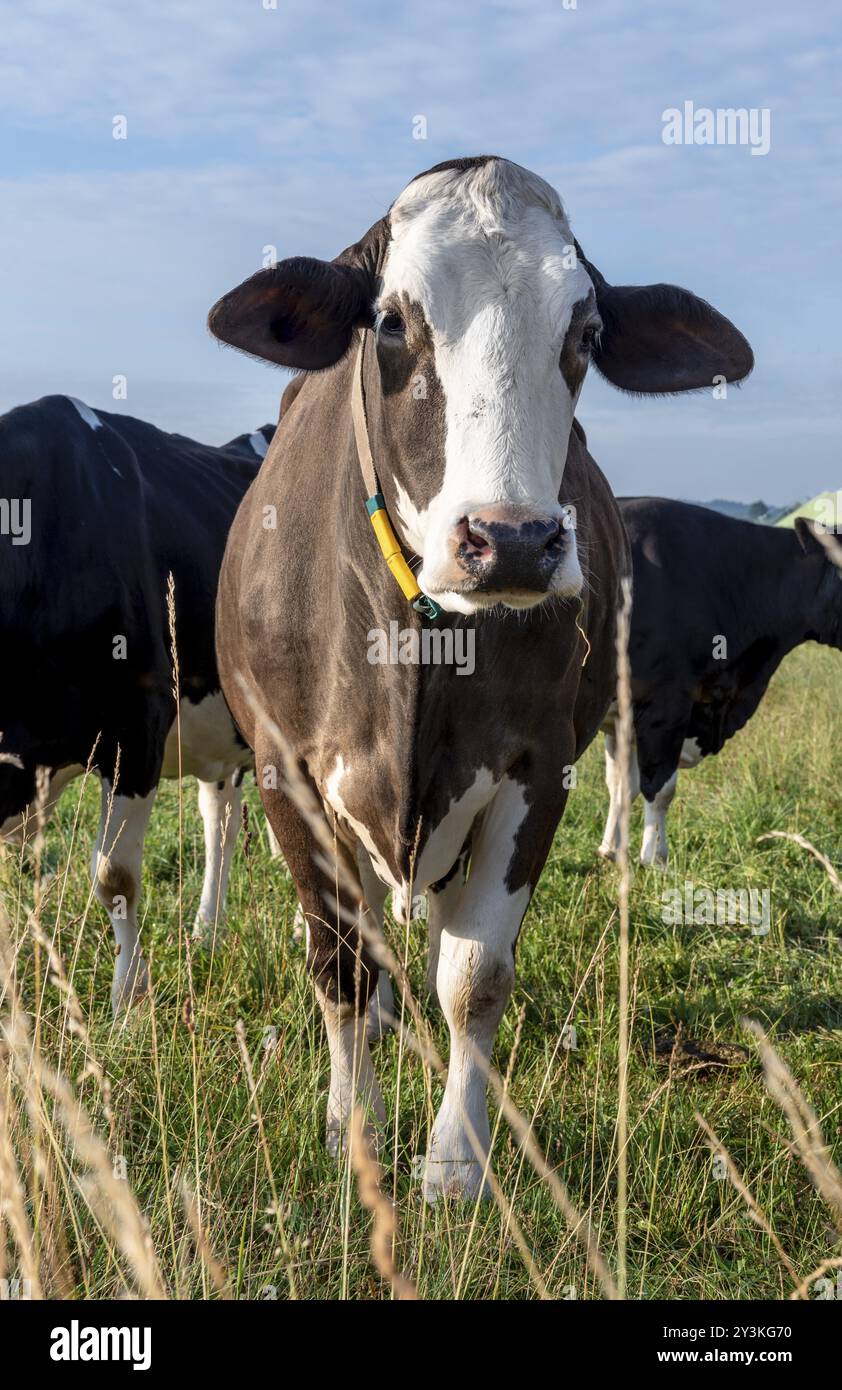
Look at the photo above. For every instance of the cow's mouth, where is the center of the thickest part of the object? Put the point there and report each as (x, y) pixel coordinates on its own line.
(474, 597)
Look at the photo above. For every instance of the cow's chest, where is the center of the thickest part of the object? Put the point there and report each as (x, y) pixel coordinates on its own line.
(413, 838)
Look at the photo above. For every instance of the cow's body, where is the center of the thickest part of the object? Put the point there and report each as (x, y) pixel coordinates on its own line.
(116, 507)
(718, 604)
(470, 321)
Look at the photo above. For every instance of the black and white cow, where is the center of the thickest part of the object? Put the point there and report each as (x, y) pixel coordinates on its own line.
(718, 604)
(100, 509)
(459, 331)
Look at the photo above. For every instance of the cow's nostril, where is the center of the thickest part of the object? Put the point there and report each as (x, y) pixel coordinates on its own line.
(553, 536)
(472, 542)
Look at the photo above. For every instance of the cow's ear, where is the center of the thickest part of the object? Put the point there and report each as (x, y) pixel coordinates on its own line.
(809, 535)
(657, 339)
(301, 313)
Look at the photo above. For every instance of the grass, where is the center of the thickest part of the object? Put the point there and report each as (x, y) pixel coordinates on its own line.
(240, 1177)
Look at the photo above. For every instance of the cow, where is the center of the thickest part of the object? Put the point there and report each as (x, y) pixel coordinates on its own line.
(102, 508)
(443, 356)
(718, 604)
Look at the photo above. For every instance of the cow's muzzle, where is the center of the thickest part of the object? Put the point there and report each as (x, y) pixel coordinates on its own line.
(507, 550)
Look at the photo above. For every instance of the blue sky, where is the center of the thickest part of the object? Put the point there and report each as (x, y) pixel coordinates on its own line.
(293, 127)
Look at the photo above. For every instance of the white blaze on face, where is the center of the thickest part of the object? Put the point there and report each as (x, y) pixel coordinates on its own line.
(487, 255)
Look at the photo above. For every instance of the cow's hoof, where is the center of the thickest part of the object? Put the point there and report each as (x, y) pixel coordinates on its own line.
(607, 853)
(336, 1137)
(207, 933)
(458, 1180)
(655, 861)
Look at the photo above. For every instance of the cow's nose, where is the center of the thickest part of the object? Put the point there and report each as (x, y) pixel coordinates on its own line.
(509, 548)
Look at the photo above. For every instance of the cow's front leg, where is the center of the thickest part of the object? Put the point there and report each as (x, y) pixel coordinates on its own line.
(381, 1005)
(655, 848)
(610, 847)
(344, 972)
(474, 978)
(116, 869)
(219, 803)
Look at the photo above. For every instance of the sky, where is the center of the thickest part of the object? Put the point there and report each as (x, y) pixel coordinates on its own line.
(253, 125)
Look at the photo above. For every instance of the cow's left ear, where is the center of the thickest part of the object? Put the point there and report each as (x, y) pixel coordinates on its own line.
(301, 313)
(809, 538)
(657, 339)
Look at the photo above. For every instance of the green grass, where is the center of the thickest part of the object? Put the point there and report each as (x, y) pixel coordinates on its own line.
(181, 1107)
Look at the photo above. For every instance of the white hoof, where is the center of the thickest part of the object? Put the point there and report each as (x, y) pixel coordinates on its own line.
(336, 1136)
(207, 932)
(607, 852)
(458, 1180)
(452, 1169)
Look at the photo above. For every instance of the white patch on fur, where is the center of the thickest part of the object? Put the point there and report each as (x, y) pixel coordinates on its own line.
(483, 254)
(258, 443)
(89, 416)
(443, 845)
(335, 800)
(210, 749)
(691, 753)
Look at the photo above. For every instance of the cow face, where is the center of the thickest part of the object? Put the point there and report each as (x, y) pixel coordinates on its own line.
(479, 317)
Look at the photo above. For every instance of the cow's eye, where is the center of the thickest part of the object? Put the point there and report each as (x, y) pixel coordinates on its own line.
(590, 338)
(392, 325)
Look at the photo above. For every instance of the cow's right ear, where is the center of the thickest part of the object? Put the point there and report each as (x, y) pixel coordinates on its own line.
(659, 339)
(301, 313)
(809, 532)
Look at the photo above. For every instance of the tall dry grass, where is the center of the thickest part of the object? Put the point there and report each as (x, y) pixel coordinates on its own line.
(67, 1207)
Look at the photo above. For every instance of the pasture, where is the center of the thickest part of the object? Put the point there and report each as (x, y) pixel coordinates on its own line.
(229, 1171)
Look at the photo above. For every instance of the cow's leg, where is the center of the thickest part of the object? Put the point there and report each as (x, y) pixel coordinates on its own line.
(474, 980)
(610, 846)
(219, 803)
(659, 751)
(344, 972)
(655, 849)
(381, 1005)
(25, 824)
(116, 868)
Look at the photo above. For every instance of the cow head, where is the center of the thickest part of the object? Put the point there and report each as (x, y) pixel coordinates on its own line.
(479, 317)
(822, 549)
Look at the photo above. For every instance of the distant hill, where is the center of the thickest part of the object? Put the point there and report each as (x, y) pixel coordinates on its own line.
(763, 512)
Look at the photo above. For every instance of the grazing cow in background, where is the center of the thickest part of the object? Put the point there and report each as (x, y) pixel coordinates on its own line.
(112, 506)
(459, 330)
(718, 604)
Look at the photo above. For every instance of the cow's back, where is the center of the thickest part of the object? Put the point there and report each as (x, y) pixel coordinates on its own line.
(115, 507)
